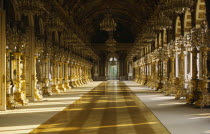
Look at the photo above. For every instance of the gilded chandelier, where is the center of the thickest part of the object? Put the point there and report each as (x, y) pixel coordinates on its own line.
(16, 41)
(108, 24)
(181, 44)
(176, 6)
(149, 34)
(162, 22)
(200, 37)
(111, 44)
(30, 6)
(53, 23)
(39, 46)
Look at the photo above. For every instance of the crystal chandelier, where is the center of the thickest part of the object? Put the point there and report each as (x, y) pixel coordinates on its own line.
(149, 34)
(30, 6)
(181, 42)
(108, 24)
(177, 6)
(39, 46)
(205, 34)
(53, 23)
(67, 37)
(171, 49)
(74, 40)
(195, 37)
(113, 63)
(16, 41)
(200, 37)
(162, 22)
(111, 43)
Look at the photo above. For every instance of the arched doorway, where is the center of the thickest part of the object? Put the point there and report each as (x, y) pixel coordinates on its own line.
(113, 68)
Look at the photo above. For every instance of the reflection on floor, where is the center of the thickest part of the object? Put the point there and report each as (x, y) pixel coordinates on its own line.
(177, 116)
(110, 108)
(24, 119)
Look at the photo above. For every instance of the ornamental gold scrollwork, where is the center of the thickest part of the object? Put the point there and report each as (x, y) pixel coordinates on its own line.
(16, 90)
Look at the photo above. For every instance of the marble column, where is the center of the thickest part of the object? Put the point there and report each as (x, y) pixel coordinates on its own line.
(171, 89)
(145, 71)
(204, 97)
(194, 93)
(3, 60)
(72, 74)
(181, 92)
(137, 73)
(165, 77)
(152, 74)
(76, 78)
(89, 73)
(55, 65)
(80, 74)
(159, 75)
(60, 78)
(66, 74)
(30, 62)
(45, 76)
(10, 91)
(37, 95)
(84, 74)
(156, 73)
(148, 75)
(69, 74)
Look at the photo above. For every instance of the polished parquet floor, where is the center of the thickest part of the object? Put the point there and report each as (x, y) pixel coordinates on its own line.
(109, 108)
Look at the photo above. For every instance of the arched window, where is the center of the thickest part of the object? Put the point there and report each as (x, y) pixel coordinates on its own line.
(113, 65)
(113, 58)
(113, 61)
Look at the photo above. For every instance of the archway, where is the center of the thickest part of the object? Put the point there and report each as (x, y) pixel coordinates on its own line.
(188, 54)
(113, 67)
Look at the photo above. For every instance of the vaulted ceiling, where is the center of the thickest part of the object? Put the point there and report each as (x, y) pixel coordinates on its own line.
(130, 15)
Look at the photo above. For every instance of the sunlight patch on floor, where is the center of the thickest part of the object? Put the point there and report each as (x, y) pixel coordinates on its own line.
(115, 109)
(171, 103)
(23, 119)
(62, 129)
(207, 132)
